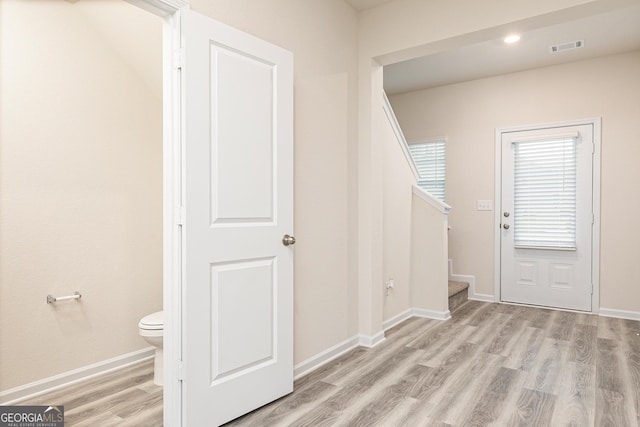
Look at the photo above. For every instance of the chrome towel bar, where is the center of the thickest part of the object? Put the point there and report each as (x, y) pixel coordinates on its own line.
(51, 298)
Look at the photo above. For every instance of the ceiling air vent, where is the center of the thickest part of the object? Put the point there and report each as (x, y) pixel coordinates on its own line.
(566, 46)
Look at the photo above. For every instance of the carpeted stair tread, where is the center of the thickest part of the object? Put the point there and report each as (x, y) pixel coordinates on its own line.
(458, 294)
(457, 287)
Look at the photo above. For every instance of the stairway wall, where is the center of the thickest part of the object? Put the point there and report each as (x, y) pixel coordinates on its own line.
(397, 183)
(429, 259)
(468, 113)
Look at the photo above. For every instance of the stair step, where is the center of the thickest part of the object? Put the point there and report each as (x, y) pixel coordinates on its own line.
(458, 294)
(457, 287)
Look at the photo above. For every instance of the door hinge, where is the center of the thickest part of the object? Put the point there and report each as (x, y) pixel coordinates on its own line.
(178, 58)
(179, 369)
(179, 216)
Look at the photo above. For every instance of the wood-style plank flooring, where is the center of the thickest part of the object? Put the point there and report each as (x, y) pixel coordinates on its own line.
(124, 398)
(491, 364)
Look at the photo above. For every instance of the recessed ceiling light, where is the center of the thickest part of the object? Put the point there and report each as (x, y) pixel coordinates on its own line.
(512, 39)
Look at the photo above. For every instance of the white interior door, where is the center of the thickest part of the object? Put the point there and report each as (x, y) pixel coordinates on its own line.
(547, 217)
(237, 310)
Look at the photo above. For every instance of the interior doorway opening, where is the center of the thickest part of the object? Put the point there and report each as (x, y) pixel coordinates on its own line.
(89, 173)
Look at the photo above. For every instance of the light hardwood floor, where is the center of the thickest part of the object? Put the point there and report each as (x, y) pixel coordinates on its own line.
(491, 364)
(126, 398)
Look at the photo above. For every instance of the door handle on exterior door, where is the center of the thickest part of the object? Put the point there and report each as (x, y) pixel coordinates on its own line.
(505, 226)
(288, 240)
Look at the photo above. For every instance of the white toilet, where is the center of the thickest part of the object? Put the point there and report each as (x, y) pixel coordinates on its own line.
(151, 329)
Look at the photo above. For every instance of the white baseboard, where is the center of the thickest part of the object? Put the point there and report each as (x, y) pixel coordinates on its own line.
(397, 319)
(326, 356)
(46, 385)
(415, 312)
(431, 314)
(471, 280)
(311, 364)
(338, 350)
(314, 362)
(371, 341)
(482, 297)
(620, 314)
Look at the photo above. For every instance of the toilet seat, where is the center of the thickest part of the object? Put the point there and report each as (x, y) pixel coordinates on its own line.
(152, 322)
(151, 328)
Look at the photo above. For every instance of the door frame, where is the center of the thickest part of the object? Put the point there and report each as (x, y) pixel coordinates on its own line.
(172, 136)
(595, 229)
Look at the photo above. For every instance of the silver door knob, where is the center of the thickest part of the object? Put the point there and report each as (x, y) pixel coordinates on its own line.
(505, 226)
(506, 214)
(288, 240)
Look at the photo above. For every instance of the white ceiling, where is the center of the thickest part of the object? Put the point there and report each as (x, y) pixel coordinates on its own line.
(609, 33)
(605, 34)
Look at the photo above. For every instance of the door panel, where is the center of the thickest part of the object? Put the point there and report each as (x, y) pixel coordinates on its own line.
(238, 200)
(551, 273)
(244, 138)
(243, 312)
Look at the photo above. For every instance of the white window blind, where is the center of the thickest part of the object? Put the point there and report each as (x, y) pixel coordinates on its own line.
(545, 193)
(429, 158)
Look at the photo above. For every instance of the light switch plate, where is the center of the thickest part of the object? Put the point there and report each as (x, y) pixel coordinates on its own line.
(485, 205)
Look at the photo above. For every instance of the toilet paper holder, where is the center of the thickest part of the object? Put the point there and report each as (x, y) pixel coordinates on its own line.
(51, 298)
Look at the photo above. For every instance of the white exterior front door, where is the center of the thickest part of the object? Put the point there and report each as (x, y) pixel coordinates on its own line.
(237, 308)
(546, 217)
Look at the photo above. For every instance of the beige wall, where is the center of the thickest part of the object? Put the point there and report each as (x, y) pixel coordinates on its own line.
(338, 154)
(469, 113)
(80, 194)
(405, 29)
(429, 262)
(323, 37)
(397, 182)
(322, 34)
(414, 243)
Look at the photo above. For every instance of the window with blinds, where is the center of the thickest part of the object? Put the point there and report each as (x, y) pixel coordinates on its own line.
(545, 193)
(429, 158)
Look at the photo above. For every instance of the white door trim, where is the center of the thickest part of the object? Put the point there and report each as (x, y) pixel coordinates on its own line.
(595, 242)
(170, 11)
